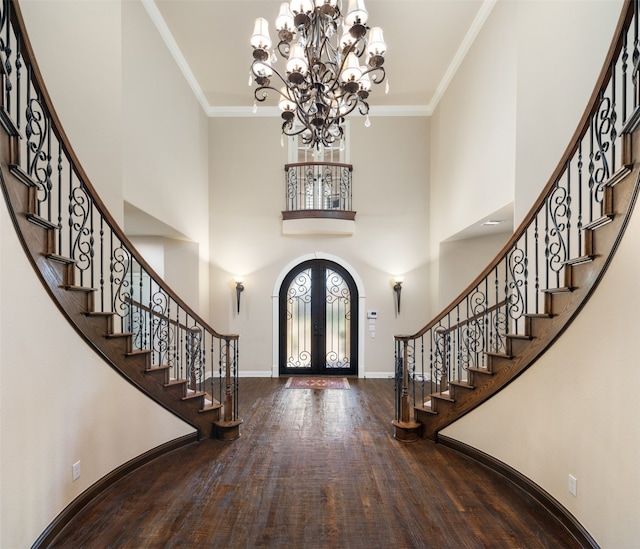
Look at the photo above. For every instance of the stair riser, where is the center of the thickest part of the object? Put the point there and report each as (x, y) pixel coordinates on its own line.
(517, 346)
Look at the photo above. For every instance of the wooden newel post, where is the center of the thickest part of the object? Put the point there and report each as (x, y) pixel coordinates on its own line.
(444, 376)
(405, 428)
(228, 400)
(229, 427)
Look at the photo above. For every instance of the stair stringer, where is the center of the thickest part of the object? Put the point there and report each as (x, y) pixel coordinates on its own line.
(76, 305)
(544, 329)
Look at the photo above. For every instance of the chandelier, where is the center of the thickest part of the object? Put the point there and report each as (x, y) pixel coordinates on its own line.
(330, 65)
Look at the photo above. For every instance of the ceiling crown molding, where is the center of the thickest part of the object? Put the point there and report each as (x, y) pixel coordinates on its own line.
(376, 110)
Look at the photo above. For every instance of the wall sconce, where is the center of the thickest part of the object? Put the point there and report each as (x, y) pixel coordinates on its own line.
(397, 288)
(239, 290)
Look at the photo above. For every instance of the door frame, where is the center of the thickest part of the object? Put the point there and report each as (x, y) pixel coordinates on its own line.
(275, 307)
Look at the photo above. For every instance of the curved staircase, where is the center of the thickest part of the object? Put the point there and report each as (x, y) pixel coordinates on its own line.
(100, 283)
(522, 302)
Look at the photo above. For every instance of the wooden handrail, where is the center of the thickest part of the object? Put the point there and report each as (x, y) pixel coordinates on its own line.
(335, 164)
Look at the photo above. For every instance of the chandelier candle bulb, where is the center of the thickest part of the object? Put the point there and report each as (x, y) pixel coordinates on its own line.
(377, 45)
(356, 13)
(301, 6)
(329, 66)
(261, 39)
(284, 22)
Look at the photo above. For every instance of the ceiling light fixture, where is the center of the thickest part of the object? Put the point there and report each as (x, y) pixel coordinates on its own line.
(324, 79)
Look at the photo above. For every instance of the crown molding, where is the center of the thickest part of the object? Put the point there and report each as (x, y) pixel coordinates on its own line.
(453, 67)
(376, 110)
(269, 112)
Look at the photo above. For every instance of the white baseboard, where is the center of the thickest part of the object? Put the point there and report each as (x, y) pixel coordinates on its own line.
(379, 375)
(254, 373)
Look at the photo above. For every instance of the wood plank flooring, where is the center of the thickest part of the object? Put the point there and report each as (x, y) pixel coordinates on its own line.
(314, 469)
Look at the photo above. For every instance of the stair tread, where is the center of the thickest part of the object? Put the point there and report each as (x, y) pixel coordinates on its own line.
(580, 260)
(599, 222)
(61, 259)
(443, 396)
(561, 290)
(73, 288)
(161, 368)
(119, 334)
(463, 384)
(210, 407)
(174, 382)
(526, 337)
(99, 313)
(480, 371)
(40, 221)
(138, 352)
(193, 394)
(498, 355)
(426, 408)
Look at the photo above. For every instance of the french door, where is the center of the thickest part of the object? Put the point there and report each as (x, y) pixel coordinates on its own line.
(318, 320)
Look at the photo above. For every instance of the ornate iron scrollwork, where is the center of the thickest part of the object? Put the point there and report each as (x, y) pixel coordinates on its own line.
(39, 163)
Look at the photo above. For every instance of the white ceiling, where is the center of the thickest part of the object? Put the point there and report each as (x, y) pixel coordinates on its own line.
(427, 39)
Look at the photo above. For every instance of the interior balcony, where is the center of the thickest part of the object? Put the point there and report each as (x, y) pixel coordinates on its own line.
(318, 199)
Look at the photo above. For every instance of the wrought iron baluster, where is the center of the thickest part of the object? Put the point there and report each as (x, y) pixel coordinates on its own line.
(624, 59)
(537, 263)
(6, 48)
(60, 177)
(18, 81)
(580, 183)
(635, 56)
(102, 252)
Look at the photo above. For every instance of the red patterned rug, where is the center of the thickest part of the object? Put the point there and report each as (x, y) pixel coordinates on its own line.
(317, 383)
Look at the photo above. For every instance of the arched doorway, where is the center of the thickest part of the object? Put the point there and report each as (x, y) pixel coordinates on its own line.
(318, 320)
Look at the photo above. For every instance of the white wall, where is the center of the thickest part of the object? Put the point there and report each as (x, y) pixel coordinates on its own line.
(576, 410)
(164, 140)
(461, 261)
(390, 195)
(474, 135)
(59, 403)
(92, 114)
(561, 49)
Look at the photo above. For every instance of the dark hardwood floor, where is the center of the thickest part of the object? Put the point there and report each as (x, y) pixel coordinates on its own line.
(314, 469)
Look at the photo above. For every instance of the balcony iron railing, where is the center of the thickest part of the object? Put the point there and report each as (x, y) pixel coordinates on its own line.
(318, 189)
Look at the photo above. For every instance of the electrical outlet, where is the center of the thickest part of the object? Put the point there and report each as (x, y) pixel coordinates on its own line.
(75, 471)
(573, 485)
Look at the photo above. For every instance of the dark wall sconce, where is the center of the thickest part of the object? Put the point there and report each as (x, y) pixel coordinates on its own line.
(397, 288)
(239, 290)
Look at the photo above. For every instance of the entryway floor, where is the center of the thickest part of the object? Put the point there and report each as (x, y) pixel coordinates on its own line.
(314, 468)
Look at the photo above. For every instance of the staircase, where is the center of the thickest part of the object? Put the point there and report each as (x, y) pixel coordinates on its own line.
(100, 283)
(523, 301)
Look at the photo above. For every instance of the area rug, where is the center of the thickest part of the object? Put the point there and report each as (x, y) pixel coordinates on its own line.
(317, 383)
